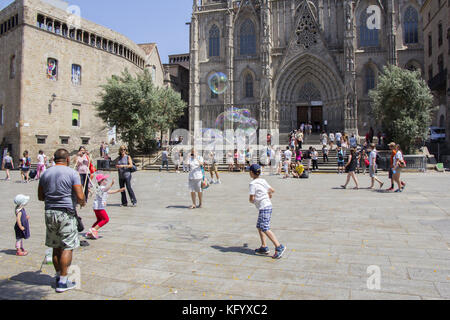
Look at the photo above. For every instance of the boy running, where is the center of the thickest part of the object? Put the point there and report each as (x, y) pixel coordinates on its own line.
(260, 195)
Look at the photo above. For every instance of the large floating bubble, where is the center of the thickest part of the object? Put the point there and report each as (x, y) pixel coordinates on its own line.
(218, 82)
(240, 120)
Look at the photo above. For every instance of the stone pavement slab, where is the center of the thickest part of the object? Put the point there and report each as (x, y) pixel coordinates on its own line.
(162, 250)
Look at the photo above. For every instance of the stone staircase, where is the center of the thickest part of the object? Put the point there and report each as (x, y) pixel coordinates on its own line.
(324, 167)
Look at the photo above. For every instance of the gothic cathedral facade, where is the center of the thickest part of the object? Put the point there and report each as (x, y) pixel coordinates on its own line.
(297, 61)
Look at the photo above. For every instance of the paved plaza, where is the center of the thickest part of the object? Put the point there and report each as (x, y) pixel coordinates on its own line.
(162, 250)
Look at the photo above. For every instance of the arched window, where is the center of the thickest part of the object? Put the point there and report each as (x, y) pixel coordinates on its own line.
(367, 37)
(369, 80)
(248, 84)
(214, 41)
(247, 38)
(411, 26)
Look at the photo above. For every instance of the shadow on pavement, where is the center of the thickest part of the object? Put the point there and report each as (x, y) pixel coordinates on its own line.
(243, 250)
(178, 207)
(9, 252)
(14, 289)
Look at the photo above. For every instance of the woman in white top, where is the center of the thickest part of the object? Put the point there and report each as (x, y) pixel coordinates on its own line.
(230, 161)
(176, 159)
(241, 160)
(399, 163)
(331, 140)
(195, 178)
(42, 160)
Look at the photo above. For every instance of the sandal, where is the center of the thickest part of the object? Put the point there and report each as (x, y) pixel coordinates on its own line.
(343, 187)
(193, 207)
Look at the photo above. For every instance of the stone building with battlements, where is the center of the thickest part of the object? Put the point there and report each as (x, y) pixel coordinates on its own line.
(299, 61)
(52, 64)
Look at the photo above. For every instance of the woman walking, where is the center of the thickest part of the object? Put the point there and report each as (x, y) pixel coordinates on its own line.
(125, 164)
(399, 163)
(25, 164)
(42, 160)
(230, 161)
(7, 164)
(350, 168)
(373, 166)
(82, 167)
(196, 178)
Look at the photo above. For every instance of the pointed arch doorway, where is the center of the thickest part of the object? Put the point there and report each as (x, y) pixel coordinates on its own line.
(310, 107)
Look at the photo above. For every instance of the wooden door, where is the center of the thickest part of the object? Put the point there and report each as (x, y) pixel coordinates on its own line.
(302, 115)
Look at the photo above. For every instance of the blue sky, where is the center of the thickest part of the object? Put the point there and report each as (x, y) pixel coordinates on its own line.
(143, 21)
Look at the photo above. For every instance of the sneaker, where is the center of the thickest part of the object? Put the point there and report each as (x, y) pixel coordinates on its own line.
(63, 287)
(263, 251)
(279, 252)
(94, 233)
(20, 253)
(399, 190)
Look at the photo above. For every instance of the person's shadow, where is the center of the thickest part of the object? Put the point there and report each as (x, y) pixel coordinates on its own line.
(243, 250)
(9, 252)
(178, 207)
(13, 288)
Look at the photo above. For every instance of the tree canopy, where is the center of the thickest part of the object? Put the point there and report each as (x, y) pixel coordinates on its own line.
(137, 108)
(402, 103)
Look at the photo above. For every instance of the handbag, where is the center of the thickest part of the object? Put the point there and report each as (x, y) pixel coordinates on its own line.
(205, 183)
(80, 225)
(367, 162)
(134, 168)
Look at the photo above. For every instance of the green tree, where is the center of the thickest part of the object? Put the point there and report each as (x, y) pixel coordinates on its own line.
(137, 108)
(402, 103)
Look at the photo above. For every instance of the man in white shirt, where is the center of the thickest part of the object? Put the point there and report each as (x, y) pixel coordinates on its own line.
(373, 166)
(287, 162)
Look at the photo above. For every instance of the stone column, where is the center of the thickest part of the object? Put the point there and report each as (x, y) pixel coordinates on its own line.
(266, 118)
(392, 34)
(350, 100)
(194, 92)
(229, 57)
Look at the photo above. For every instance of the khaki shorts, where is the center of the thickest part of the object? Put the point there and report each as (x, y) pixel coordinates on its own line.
(62, 232)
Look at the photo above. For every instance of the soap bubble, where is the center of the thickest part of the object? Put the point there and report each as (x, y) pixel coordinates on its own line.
(218, 82)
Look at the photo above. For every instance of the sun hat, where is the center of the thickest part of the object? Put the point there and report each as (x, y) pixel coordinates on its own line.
(101, 177)
(21, 200)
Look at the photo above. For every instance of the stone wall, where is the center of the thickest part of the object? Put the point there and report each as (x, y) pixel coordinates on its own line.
(42, 107)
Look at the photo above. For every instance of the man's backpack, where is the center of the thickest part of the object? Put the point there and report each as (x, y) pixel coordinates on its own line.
(305, 175)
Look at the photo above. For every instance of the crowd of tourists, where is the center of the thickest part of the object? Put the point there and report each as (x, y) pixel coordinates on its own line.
(64, 185)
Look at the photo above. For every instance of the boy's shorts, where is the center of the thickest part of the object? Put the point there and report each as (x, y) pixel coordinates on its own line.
(265, 215)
